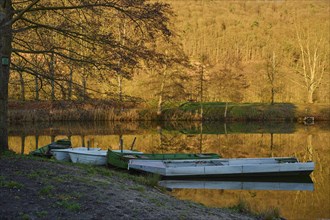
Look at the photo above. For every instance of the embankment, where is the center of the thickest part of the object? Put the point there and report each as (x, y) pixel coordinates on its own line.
(102, 111)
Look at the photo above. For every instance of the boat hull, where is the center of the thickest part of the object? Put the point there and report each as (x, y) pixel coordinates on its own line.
(63, 154)
(98, 158)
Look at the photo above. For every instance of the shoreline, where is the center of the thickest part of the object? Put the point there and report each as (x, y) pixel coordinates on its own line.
(46, 189)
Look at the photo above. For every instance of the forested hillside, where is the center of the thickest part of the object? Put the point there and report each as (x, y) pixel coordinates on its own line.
(238, 51)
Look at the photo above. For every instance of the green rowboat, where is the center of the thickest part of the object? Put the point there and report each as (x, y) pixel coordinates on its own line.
(120, 160)
(45, 151)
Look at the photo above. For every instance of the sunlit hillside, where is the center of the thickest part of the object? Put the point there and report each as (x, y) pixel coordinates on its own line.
(237, 38)
(241, 51)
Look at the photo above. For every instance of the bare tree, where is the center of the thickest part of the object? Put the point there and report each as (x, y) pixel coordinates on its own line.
(272, 65)
(314, 61)
(72, 22)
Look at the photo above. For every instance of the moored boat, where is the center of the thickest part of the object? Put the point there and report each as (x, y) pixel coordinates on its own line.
(280, 166)
(46, 151)
(93, 157)
(121, 159)
(63, 154)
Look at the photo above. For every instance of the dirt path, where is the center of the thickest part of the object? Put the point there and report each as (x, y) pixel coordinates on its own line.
(40, 189)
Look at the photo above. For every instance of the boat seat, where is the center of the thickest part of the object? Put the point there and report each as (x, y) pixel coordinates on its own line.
(201, 155)
(217, 163)
(287, 160)
(142, 156)
(130, 156)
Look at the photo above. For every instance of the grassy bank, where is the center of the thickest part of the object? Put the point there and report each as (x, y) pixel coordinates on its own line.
(34, 188)
(217, 111)
(212, 111)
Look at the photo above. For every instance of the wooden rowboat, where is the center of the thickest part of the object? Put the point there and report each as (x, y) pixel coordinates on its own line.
(120, 159)
(280, 166)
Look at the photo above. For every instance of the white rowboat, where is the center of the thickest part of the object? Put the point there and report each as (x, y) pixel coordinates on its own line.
(93, 157)
(63, 154)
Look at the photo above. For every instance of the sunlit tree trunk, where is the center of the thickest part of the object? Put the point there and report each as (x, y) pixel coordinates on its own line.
(161, 94)
(201, 137)
(122, 35)
(201, 90)
(6, 13)
(120, 86)
(313, 62)
(272, 66)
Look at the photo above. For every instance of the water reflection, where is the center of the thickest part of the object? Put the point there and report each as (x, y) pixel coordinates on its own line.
(294, 200)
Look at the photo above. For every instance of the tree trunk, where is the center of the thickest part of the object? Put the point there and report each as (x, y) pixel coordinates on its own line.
(201, 91)
(161, 94)
(70, 84)
(271, 144)
(310, 96)
(23, 144)
(4, 78)
(120, 92)
(6, 14)
(52, 74)
(36, 88)
(273, 96)
(201, 137)
(84, 88)
(37, 141)
(22, 86)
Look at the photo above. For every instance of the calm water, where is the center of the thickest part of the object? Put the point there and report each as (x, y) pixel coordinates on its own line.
(295, 199)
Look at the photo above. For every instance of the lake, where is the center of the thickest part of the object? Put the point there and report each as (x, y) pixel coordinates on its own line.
(306, 198)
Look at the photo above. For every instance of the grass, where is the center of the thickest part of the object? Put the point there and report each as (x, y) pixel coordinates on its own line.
(147, 180)
(215, 111)
(25, 216)
(41, 214)
(157, 202)
(10, 184)
(270, 214)
(46, 191)
(244, 207)
(138, 188)
(13, 185)
(69, 205)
